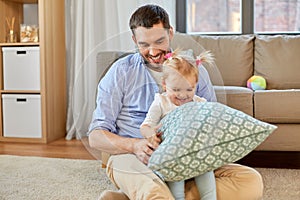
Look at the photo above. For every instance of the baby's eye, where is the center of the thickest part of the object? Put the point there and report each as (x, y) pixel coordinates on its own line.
(190, 90)
(176, 89)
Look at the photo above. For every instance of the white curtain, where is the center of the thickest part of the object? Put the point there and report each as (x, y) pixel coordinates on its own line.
(93, 26)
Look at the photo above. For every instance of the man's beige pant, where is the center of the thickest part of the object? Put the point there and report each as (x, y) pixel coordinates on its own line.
(138, 182)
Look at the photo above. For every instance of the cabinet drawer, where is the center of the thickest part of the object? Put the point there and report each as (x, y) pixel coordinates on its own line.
(21, 115)
(21, 68)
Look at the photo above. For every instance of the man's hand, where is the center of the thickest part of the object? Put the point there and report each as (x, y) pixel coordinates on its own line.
(143, 148)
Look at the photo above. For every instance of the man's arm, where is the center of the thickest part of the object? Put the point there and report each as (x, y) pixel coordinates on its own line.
(114, 144)
(103, 129)
(111, 143)
(205, 88)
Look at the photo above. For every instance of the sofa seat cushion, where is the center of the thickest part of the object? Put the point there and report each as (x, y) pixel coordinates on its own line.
(277, 106)
(277, 60)
(240, 98)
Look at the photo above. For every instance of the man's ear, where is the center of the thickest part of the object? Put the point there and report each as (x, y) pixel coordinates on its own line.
(171, 32)
(134, 39)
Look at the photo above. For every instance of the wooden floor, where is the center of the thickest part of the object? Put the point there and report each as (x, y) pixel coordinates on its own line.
(74, 149)
(77, 149)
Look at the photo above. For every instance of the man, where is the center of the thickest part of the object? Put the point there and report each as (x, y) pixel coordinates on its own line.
(124, 96)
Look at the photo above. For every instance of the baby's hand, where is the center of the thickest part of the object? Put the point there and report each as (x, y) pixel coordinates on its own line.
(155, 140)
(152, 135)
(158, 134)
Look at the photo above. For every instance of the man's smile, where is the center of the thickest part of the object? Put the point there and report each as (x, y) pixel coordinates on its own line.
(157, 59)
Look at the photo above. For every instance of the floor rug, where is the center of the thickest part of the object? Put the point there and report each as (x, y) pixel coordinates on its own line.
(23, 177)
(37, 178)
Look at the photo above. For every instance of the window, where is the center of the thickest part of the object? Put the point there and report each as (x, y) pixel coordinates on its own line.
(213, 16)
(238, 16)
(277, 16)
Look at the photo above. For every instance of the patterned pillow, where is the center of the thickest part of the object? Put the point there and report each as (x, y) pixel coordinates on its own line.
(202, 136)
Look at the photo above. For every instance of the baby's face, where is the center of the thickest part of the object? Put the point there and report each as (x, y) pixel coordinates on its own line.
(180, 89)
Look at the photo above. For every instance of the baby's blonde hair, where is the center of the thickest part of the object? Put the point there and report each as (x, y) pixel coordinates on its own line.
(186, 65)
(181, 65)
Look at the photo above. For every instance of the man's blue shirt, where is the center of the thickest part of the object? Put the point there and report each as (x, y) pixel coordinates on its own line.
(126, 92)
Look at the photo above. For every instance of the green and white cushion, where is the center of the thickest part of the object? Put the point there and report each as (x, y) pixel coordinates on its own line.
(202, 136)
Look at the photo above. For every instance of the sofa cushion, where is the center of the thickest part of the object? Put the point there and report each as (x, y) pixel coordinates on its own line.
(105, 59)
(240, 98)
(233, 55)
(277, 60)
(277, 106)
(202, 136)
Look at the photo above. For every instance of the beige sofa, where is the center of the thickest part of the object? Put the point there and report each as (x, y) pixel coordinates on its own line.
(277, 59)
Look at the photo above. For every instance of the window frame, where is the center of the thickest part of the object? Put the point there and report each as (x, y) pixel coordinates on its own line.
(247, 20)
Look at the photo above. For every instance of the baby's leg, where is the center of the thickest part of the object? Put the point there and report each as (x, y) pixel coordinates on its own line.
(206, 185)
(177, 189)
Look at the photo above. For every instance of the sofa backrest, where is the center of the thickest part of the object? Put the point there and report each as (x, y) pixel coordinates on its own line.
(277, 59)
(105, 59)
(237, 58)
(233, 55)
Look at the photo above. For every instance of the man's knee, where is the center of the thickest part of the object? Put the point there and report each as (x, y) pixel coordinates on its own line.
(234, 182)
(239, 182)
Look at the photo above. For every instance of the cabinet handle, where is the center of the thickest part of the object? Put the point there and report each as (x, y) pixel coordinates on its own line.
(21, 99)
(21, 52)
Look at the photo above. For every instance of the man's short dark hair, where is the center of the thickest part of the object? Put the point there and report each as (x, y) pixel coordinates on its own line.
(148, 15)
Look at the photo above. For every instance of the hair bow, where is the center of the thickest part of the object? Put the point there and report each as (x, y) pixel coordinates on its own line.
(198, 60)
(169, 55)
